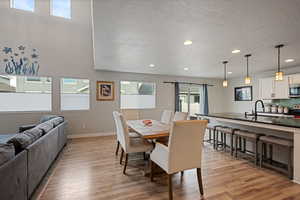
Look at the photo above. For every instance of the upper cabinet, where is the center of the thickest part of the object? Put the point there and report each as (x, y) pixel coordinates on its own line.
(271, 89)
(294, 79)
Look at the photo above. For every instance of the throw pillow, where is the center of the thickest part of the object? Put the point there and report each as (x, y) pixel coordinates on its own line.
(45, 127)
(56, 121)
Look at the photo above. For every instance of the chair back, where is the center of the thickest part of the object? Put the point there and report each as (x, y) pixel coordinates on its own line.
(185, 144)
(179, 116)
(166, 116)
(115, 115)
(131, 114)
(122, 130)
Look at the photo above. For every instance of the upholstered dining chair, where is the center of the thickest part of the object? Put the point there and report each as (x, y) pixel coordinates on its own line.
(184, 151)
(166, 117)
(131, 134)
(129, 144)
(179, 116)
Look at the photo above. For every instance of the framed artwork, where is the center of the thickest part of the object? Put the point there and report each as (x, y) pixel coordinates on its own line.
(105, 91)
(243, 93)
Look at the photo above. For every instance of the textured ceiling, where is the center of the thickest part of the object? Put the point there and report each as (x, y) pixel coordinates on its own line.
(131, 34)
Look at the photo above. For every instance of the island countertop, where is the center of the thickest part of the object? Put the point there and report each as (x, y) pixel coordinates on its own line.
(278, 121)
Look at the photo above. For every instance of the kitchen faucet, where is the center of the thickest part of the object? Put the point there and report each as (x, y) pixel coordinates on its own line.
(255, 108)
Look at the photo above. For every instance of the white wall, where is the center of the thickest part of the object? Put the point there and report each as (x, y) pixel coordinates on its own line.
(66, 50)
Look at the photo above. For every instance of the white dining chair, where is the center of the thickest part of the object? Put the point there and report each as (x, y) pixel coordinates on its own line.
(166, 116)
(179, 116)
(131, 133)
(184, 151)
(129, 144)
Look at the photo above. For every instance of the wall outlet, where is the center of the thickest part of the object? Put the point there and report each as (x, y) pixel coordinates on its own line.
(84, 126)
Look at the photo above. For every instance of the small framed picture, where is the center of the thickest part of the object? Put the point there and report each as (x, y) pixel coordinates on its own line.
(105, 91)
(243, 93)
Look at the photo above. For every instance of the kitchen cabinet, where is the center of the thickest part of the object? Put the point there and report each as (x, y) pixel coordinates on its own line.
(266, 89)
(294, 79)
(271, 89)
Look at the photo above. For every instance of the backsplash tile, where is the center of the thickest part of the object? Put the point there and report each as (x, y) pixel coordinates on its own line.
(287, 102)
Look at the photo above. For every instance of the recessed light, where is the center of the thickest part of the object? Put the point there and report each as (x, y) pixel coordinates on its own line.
(289, 60)
(188, 42)
(186, 69)
(236, 51)
(229, 72)
(151, 65)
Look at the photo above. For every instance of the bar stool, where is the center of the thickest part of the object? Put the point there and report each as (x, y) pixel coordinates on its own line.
(276, 141)
(211, 130)
(244, 136)
(224, 132)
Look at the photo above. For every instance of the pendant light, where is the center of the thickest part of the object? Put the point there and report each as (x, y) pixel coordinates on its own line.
(247, 78)
(279, 73)
(225, 82)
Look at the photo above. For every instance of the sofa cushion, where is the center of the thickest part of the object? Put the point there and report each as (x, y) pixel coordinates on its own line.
(7, 152)
(22, 140)
(56, 121)
(34, 133)
(45, 127)
(45, 118)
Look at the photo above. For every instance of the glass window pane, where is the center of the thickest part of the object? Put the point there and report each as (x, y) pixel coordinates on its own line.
(189, 98)
(21, 93)
(61, 8)
(183, 98)
(137, 95)
(194, 99)
(27, 5)
(75, 94)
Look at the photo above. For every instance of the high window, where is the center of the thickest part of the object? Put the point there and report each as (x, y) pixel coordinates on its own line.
(75, 94)
(27, 5)
(23, 93)
(137, 95)
(61, 8)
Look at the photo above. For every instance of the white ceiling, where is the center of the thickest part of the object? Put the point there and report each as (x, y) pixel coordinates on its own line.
(131, 34)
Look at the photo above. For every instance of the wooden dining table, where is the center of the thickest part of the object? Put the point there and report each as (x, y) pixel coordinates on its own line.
(156, 130)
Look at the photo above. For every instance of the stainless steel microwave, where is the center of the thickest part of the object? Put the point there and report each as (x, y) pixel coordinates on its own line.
(295, 90)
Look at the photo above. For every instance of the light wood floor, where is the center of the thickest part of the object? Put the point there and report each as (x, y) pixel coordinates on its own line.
(89, 170)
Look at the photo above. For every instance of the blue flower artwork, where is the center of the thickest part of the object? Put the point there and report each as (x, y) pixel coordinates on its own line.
(19, 62)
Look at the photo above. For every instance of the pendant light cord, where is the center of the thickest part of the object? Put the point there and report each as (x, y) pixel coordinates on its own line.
(247, 57)
(225, 62)
(278, 61)
(278, 58)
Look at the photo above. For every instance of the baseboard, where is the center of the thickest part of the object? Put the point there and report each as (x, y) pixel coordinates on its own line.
(295, 181)
(87, 135)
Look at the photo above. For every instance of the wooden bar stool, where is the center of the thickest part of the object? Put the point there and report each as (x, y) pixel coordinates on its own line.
(244, 136)
(271, 141)
(224, 132)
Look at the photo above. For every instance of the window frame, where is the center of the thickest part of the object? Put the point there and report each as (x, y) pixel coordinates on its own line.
(31, 111)
(61, 17)
(60, 94)
(12, 2)
(155, 87)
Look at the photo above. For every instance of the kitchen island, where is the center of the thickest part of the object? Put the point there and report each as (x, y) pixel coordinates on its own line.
(290, 125)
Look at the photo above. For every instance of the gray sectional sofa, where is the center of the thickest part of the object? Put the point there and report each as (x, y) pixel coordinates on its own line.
(36, 148)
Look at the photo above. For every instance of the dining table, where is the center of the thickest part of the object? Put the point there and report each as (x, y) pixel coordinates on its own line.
(151, 131)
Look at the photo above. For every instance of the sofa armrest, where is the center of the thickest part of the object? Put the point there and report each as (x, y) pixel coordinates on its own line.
(26, 127)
